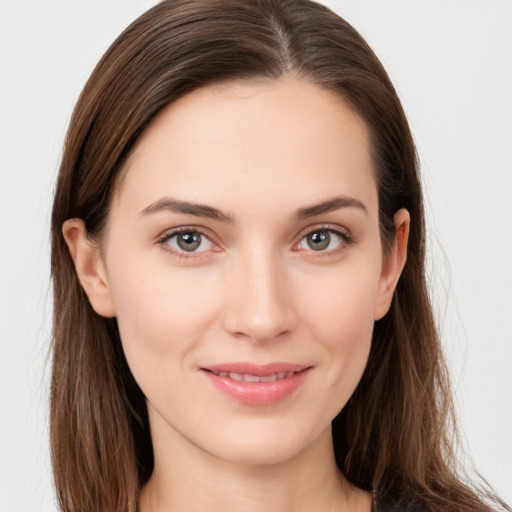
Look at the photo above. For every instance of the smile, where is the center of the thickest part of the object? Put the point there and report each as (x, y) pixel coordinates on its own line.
(252, 384)
(245, 377)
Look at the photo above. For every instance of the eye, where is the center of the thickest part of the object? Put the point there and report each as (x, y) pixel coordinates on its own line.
(323, 240)
(186, 241)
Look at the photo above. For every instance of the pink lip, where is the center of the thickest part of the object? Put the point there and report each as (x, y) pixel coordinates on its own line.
(257, 393)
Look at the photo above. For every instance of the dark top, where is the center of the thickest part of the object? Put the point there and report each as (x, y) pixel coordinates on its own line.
(390, 505)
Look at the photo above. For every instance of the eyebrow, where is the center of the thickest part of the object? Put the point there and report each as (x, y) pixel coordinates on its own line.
(330, 205)
(201, 210)
(186, 207)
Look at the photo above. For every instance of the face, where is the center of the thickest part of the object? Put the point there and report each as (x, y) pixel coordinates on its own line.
(243, 261)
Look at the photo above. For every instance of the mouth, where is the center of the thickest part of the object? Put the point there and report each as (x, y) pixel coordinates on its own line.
(246, 377)
(253, 384)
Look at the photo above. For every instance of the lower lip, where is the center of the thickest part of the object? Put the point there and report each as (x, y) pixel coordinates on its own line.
(258, 393)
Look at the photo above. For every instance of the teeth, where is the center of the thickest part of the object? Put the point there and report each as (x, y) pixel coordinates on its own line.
(243, 377)
(251, 378)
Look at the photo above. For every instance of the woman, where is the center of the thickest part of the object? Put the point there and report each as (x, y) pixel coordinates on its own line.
(241, 317)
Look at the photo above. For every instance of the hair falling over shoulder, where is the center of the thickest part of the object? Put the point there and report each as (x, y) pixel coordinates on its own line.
(396, 435)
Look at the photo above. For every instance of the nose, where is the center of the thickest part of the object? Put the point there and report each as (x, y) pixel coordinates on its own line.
(260, 302)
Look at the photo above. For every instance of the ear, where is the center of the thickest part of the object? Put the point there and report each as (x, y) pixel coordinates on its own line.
(89, 266)
(393, 264)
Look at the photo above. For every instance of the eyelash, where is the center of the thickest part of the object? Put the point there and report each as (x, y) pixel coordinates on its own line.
(168, 235)
(346, 240)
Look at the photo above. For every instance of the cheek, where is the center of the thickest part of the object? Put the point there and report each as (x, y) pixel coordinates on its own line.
(161, 313)
(341, 317)
(341, 304)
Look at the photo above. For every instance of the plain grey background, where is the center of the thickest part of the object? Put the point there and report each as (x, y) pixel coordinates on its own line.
(451, 61)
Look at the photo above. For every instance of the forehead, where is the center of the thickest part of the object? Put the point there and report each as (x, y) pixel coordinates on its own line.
(288, 140)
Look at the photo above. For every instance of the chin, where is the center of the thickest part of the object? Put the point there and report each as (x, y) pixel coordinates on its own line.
(256, 455)
(258, 446)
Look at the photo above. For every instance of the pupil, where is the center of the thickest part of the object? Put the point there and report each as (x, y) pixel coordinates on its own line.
(189, 241)
(319, 240)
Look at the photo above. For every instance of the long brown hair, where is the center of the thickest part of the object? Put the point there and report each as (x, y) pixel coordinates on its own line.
(394, 436)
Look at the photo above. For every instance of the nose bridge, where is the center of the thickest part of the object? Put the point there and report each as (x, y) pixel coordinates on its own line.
(260, 306)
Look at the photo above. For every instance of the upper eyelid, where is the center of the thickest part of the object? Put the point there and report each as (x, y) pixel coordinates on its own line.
(169, 233)
(325, 227)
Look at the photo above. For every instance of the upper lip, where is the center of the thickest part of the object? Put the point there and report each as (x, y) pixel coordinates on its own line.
(259, 370)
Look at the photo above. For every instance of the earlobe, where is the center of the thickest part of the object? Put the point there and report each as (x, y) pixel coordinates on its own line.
(393, 264)
(89, 266)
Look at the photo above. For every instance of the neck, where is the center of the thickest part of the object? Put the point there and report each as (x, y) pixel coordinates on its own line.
(186, 478)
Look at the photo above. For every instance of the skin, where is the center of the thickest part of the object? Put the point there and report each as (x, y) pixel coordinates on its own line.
(255, 289)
